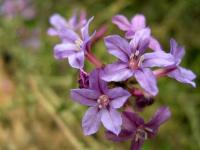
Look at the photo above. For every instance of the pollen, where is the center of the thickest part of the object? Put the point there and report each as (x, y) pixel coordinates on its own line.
(141, 60)
(103, 101)
(78, 43)
(140, 135)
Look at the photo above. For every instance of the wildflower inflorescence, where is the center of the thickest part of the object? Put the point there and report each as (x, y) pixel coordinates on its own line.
(111, 86)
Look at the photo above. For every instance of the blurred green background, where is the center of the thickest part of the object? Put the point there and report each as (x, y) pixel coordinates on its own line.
(36, 112)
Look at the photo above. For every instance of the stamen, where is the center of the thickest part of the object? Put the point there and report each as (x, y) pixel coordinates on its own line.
(100, 106)
(98, 101)
(141, 134)
(141, 60)
(78, 43)
(149, 129)
(103, 101)
(137, 53)
(132, 56)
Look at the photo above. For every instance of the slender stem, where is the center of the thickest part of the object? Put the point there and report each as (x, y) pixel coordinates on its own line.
(92, 58)
(99, 34)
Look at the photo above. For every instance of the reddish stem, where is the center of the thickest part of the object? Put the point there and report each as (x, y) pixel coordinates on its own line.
(99, 34)
(92, 58)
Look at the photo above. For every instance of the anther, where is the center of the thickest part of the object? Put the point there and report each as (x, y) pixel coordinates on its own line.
(137, 53)
(78, 43)
(141, 60)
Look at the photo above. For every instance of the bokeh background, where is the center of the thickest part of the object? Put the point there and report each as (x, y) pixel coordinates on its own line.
(36, 112)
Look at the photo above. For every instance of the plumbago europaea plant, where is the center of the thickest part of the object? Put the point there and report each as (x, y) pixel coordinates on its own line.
(110, 87)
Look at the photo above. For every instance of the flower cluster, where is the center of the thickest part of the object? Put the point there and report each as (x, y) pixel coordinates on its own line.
(116, 92)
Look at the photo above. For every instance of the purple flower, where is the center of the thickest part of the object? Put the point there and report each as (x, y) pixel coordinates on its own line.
(179, 73)
(74, 46)
(138, 22)
(133, 61)
(59, 23)
(103, 103)
(134, 128)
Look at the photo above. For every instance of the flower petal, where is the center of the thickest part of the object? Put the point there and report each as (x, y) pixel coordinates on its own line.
(116, 72)
(64, 50)
(96, 83)
(118, 47)
(157, 59)
(85, 30)
(73, 21)
(141, 40)
(123, 136)
(58, 21)
(122, 22)
(118, 97)
(91, 121)
(68, 35)
(183, 75)
(130, 34)
(177, 51)
(85, 96)
(147, 80)
(111, 120)
(131, 121)
(160, 117)
(76, 60)
(155, 45)
(52, 32)
(138, 22)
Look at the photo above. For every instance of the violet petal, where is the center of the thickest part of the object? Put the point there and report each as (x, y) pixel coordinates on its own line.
(64, 50)
(123, 136)
(85, 30)
(91, 121)
(76, 60)
(111, 120)
(52, 32)
(154, 44)
(183, 75)
(58, 21)
(131, 121)
(118, 47)
(118, 96)
(138, 22)
(160, 117)
(177, 51)
(157, 59)
(96, 83)
(116, 72)
(147, 80)
(140, 40)
(122, 22)
(85, 96)
(68, 35)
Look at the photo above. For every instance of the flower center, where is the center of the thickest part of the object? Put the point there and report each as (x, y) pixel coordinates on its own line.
(78, 43)
(103, 101)
(142, 133)
(135, 60)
